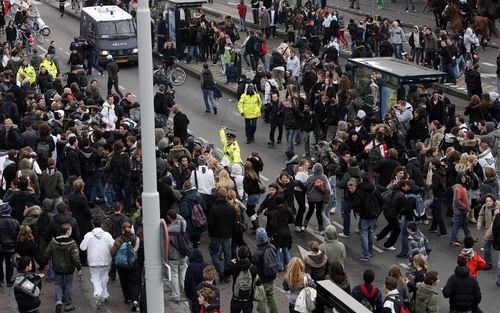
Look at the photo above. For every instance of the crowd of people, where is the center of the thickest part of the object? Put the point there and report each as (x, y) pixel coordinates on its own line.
(72, 152)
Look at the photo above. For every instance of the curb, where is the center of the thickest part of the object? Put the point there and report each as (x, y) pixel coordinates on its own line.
(227, 89)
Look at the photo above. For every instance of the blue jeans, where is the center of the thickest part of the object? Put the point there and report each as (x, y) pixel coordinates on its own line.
(459, 221)
(210, 102)
(243, 26)
(99, 181)
(109, 195)
(90, 187)
(487, 251)
(193, 51)
(333, 184)
(216, 244)
(346, 219)
(416, 53)
(250, 128)
(398, 49)
(367, 231)
(63, 284)
(284, 255)
(50, 270)
(310, 143)
(291, 136)
(255, 14)
(404, 235)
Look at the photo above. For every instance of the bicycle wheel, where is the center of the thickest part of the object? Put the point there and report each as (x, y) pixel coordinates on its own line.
(178, 76)
(39, 37)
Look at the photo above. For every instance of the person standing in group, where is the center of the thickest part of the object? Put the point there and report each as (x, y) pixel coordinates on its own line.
(486, 217)
(255, 4)
(177, 259)
(461, 209)
(207, 86)
(276, 117)
(295, 280)
(397, 38)
(242, 13)
(251, 187)
(129, 274)
(498, 72)
(250, 107)
(436, 180)
(267, 272)
(113, 225)
(113, 69)
(367, 293)
(98, 245)
(9, 228)
(65, 259)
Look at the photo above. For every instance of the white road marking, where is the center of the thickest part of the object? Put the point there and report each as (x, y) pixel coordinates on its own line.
(41, 48)
(403, 265)
(489, 75)
(314, 234)
(302, 251)
(264, 177)
(488, 64)
(121, 87)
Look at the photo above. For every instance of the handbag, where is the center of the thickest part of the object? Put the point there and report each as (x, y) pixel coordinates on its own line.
(217, 93)
(259, 293)
(306, 300)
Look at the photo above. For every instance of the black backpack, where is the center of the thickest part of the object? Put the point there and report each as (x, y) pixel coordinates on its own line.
(43, 149)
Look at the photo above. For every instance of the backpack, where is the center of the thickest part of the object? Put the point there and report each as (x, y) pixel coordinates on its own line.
(372, 205)
(198, 217)
(319, 185)
(180, 241)
(374, 157)
(419, 211)
(368, 297)
(126, 255)
(399, 306)
(43, 149)
(271, 261)
(242, 287)
(263, 47)
(114, 227)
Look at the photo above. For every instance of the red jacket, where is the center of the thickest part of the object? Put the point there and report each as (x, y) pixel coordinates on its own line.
(475, 264)
(242, 10)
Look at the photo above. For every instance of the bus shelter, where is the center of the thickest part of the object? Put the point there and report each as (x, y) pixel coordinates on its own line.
(380, 82)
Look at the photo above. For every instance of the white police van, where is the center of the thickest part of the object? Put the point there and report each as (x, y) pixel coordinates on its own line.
(113, 30)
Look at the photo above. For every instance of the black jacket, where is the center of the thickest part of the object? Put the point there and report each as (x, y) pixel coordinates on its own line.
(385, 170)
(415, 172)
(161, 103)
(278, 219)
(462, 290)
(19, 200)
(234, 269)
(27, 301)
(194, 274)
(81, 211)
(9, 228)
(112, 69)
(54, 228)
(222, 220)
(293, 118)
(181, 123)
(72, 162)
(276, 113)
(258, 261)
(207, 80)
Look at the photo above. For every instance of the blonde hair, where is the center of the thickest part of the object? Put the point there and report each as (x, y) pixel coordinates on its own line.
(231, 198)
(395, 273)
(464, 164)
(420, 260)
(225, 180)
(295, 273)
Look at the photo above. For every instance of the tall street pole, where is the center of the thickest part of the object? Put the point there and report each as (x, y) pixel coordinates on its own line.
(150, 198)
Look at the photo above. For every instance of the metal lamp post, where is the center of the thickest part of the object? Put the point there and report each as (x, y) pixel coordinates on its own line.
(150, 198)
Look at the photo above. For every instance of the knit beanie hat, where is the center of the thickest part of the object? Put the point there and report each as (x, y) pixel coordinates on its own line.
(261, 236)
(5, 207)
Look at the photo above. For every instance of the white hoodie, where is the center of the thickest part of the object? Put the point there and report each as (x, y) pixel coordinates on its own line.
(98, 244)
(204, 181)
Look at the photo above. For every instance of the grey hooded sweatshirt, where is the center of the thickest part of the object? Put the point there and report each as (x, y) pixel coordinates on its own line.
(332, 247)
(313, 194)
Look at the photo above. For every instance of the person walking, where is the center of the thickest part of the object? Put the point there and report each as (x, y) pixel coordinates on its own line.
(392, 211)
(267, 272)
(461, 209)
(333, 248)
(367, 293)
(498, 72)
(65, 259)
(129, 275)
(250, 107)
(242, 13)
(486, 217)
(427, 295)
(295, 280)
(436, 181)
(194, 276)
(255, 4)
(27, 286)
(207, 86)
(113, 69)
(98, 244)
(9, 227)
(318, 196)
(245, 277)
(80, 209)
(113, 225)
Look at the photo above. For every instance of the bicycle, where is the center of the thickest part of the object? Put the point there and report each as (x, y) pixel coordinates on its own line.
(174, 75)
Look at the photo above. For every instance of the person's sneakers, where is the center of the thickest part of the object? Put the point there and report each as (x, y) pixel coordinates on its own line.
(303, 228)
(135, 306)
(342, 235)
(298, 229)
(59, 308)
(443, 235)
(455, 243)
(364, 259)
(69, 308)
(391, 248)
(207, 111)
(332, 209)
(433, 231)
(402, 256)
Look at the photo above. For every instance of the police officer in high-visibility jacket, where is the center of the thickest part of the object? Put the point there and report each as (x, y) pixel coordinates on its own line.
(231, 147)
(250, 106)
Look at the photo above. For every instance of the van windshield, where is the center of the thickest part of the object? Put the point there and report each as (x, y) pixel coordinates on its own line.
(117, 29)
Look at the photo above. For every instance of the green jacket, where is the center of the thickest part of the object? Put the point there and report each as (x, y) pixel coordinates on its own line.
(65, 255)
(427, 300)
